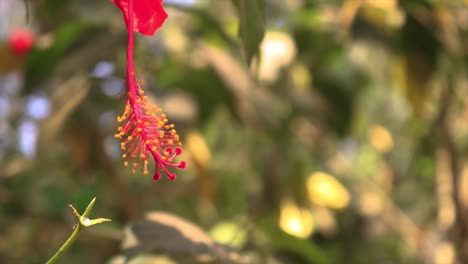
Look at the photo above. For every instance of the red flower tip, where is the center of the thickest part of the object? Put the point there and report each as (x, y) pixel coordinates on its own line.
(181, 165)
(169, 151)
(146, 131)
(156, 176)
(149, 15)
(171, 176)
(21, 41)
(178, 151)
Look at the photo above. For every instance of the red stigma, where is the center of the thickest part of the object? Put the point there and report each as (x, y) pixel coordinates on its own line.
(147, 132)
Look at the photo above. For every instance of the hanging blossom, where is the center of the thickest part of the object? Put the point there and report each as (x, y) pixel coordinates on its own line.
(145, 131)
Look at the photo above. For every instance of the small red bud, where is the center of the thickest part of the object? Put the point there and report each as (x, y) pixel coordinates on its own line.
(156, 176)
(20, 41)
(178, 151)
(169, 151)
(182, 165)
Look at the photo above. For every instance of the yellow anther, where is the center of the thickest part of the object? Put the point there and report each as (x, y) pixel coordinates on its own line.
(129, 138)
(126, 163)
(124, 156)
(139, 129)
(135, 164)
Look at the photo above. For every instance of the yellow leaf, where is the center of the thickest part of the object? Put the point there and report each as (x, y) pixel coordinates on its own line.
(229, 233)
(298, 222)
(327, 191)
(380, 138)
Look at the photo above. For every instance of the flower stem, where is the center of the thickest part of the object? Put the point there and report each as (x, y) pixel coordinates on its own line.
(83, 221)
(66, 245)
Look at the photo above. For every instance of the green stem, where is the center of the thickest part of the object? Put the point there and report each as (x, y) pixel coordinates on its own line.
(83, 221)
(67, 244)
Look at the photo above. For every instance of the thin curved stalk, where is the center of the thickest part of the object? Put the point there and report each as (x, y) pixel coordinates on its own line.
(83, 221)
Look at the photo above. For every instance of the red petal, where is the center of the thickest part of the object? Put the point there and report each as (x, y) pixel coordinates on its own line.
(149, 15)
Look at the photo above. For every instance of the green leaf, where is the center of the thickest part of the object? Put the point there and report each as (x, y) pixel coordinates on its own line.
(251, 25)
(40, 63)
(282, 241)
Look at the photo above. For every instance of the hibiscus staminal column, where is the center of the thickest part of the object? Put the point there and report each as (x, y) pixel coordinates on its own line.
(145, 130)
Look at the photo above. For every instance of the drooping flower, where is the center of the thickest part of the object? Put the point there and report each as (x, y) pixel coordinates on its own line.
(145, 130)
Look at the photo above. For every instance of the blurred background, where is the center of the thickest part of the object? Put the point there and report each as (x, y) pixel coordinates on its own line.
(315, 131)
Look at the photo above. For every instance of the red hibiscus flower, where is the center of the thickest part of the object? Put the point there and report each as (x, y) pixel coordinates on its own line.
(148, 15)
(145, 132)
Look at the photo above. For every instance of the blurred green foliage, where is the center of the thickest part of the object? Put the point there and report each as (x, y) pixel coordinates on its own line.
(371, 96)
